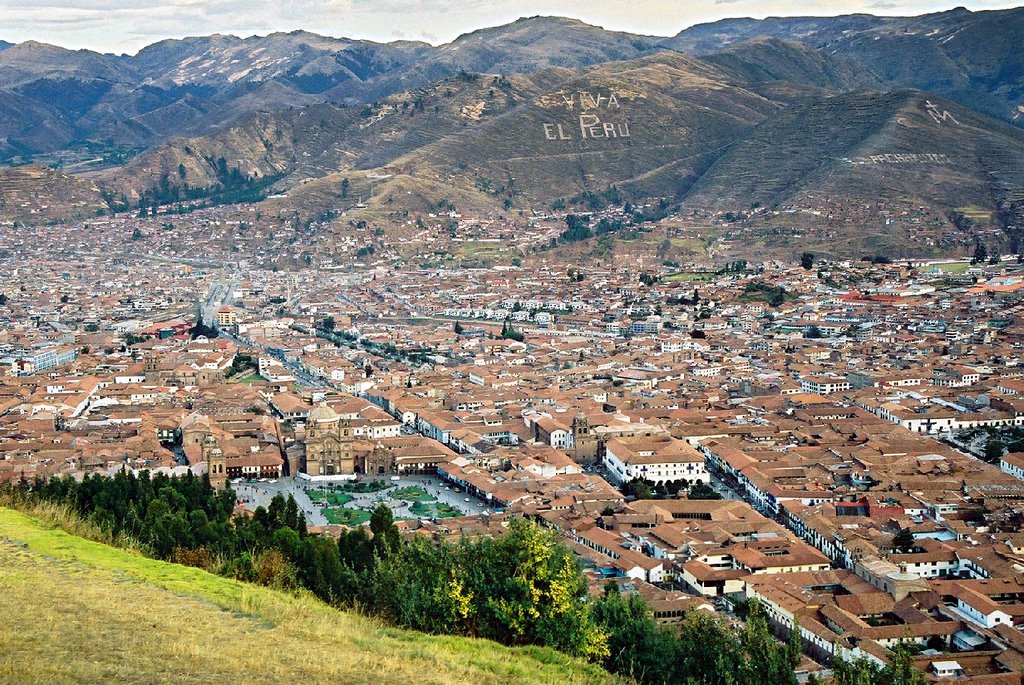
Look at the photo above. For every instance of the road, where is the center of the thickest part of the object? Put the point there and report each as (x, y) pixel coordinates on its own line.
(219, 294)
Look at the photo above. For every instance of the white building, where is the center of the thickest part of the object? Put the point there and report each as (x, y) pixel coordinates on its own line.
(824, 385)
(659, 459)
(1013, 464)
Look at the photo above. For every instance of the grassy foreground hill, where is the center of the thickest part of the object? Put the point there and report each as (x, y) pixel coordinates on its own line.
(83, 612)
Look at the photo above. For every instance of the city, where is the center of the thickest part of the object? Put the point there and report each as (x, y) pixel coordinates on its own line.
(512, 342)
(815, 436)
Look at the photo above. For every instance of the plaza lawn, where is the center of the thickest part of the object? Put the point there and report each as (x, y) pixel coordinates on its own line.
(360, 487)
(346, 517)
(413, 494)
(252, 378)
(366, 486)
(334, 499)
(432, 510)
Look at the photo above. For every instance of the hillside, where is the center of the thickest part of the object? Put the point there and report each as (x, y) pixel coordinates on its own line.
(662, 120)
(765, 123)
(86, 612)
(972, 58)
(38, 194)
(57, 99)
(941, 151)
(769, 60)
(881, 128)
(193, 85)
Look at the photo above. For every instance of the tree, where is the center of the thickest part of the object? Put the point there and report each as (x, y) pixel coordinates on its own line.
(510, 333)
(577, 228)
(637, 646)
(700, 490)
(795, 645)
(328, 323)
(706, 651)
(386, 539)
(903, 541)
(201, 329)
(531, 591)
(3, 299)
(980, 253)
(459, 330)
(813, 332)
(900, 669)
(807, 260)
(638, 488)
(422, 588)
(767, 660)
(861, 671)
(994, 448)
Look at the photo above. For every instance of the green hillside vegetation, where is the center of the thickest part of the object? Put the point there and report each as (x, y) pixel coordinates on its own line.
(87, 612)
(520, 588)
(523, 588)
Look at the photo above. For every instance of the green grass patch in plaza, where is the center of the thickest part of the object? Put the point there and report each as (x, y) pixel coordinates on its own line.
(431, 510)
(346, 517)
(955, 268)
(413, 494)
(334, 499)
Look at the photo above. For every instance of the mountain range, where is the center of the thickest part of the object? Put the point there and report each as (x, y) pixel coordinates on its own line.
(867, 116)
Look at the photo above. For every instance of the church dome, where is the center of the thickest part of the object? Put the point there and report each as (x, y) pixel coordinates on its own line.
(322, 414)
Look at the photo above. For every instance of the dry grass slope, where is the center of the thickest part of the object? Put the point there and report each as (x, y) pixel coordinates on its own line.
(83, 612)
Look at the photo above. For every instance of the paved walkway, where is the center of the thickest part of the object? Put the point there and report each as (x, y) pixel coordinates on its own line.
(259, 494)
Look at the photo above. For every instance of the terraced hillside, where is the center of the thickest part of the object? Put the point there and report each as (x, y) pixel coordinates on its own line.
(866, 146)
(38, 194)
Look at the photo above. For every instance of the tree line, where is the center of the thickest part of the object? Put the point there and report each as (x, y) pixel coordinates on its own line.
(523, 587)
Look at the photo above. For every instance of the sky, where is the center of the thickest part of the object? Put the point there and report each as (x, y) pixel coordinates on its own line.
(125, 26)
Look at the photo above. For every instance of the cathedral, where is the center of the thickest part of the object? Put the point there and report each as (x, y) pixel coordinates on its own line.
(329, 443)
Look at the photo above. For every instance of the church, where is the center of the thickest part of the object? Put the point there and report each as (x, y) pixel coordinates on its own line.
(330, 449)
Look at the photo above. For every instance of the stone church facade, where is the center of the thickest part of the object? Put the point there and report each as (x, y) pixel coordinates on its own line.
(329, 444)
